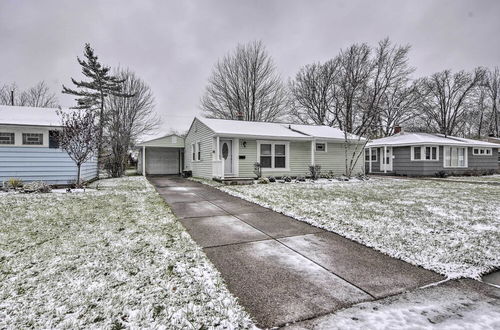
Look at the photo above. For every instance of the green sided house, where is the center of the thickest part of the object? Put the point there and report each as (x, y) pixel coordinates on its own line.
(228, 149)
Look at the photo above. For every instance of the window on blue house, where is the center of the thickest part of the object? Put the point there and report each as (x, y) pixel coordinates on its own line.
(7, 138)
(54, 139)
(35, 139)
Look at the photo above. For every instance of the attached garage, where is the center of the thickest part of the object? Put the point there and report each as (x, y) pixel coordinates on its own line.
(161, 156)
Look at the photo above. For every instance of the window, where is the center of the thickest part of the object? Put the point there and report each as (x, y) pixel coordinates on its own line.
(265, 155)
(198, 150)
(374, 155)
(7, 138)
(273, 155)
(321, 147)
(424, 153)
(416, 153)
(33, 139)
(279, 156)
(193, 152)
(54, 139)
(482, 151)
(455, 157)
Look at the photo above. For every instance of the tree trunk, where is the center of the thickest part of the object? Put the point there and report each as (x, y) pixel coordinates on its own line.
(78, 183)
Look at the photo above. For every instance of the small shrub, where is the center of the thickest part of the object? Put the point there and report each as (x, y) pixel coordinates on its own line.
(441, 174)
(14, 183)
(315, 171)
(272, 179)
(36, 186)
(263, 181)
(301, 178)
(287, 179)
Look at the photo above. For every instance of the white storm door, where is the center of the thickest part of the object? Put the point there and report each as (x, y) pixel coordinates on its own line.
(226, 154)
(386, 160)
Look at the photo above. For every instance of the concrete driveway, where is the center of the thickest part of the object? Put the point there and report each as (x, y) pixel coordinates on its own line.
(283, 270)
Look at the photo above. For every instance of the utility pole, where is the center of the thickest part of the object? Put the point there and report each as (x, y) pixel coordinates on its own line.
(12, 97)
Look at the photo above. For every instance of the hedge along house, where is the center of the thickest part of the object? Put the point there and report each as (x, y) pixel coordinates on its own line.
(161, 156)
(29, 148)
(423, 154)
(228, 149)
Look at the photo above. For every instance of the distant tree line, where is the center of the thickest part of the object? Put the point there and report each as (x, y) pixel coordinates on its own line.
(36, 96)
(365, 90)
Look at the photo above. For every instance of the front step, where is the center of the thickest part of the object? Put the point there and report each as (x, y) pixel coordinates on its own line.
(235, 180)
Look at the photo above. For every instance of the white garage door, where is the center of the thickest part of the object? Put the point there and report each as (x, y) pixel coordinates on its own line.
(162, 161)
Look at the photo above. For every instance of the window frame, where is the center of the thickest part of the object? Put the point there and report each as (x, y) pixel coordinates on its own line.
(273, 155)
(10, 134)
(485, 151)
(423, 153)
(374, 153)
(321, 143)
(193, 152)
(198, 151)
(51, 146)
(26, 135)
(466, 160)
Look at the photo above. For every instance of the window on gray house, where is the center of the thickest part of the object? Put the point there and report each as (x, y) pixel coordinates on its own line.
(54, 139)
(7, 138)
(265, 155)
(416, 153)
(35, 139)
(279, 156)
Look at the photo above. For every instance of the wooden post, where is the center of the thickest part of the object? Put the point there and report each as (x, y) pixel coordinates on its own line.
(370, 160)
(313, 145)
(144, 160)
(385, 159)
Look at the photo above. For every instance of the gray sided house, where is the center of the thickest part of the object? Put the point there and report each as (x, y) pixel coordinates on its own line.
(164, 155)
(225, 149)
(29, 148)
(423, 154)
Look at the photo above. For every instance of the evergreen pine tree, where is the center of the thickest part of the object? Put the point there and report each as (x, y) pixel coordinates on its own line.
(91, 95)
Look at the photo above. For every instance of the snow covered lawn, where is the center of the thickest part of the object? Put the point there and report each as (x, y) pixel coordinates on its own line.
(485, 178)
(108, 258)
(451, 228)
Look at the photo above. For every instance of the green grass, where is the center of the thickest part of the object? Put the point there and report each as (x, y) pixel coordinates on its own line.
(452, 228)
(110, 257)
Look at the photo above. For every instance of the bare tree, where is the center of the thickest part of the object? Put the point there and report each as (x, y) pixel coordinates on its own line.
(36, 96)
(128, 118)
(449, 97)
(313, 93)
(492, 84)
(245, 82)
(79, 137)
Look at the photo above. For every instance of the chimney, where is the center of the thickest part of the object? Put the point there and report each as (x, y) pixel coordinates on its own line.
(239, 115)
(397, 129)
(11, 97)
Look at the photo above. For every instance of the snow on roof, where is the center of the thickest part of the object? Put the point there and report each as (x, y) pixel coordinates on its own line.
(32, 116)
(250, 128)
(272, 130)
(322, 131)
(407, 138)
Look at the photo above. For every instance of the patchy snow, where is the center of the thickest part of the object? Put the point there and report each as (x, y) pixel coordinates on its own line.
(109, 258)
(79, 190)
(18, 115)
(448, 227)
(448, 306)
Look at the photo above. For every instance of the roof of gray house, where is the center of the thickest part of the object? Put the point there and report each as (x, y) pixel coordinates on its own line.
(29, 116)
(240, 128)
(409, 139)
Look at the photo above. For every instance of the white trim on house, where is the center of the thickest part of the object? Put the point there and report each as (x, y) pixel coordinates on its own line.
(423, 154)
(446, 157)
(482, 151)
(370, 154)
(273, 144)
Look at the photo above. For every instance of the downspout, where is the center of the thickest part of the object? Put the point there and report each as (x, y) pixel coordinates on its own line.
(144, 160)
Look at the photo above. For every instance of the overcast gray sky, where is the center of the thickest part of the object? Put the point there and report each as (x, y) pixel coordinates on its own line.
(173, 45)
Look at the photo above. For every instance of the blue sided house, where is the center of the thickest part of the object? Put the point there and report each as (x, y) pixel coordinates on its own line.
(29, 148)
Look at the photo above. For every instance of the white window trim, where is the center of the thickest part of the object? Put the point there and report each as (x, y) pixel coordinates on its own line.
(466, 157)
(13, 140)
(479, 150)
(193, 152)
(374, 153)
(422, 153)
(321, 142)
(33, 144)
(197, 156)
(287, 156)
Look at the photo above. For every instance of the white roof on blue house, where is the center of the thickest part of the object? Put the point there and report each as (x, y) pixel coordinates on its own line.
(29, 116)
(409, 139)
(240, 128)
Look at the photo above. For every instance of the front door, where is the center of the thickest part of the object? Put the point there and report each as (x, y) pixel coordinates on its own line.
(386, 160)
(226, 153)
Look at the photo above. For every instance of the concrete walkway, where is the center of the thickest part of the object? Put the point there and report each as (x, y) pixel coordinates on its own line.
(283, 270)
